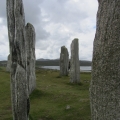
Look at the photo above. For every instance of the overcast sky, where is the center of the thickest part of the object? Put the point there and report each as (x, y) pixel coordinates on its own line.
(57, 23)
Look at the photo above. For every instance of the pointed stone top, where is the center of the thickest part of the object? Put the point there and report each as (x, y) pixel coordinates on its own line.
(63, 47)
(29, 25)
(76, 39)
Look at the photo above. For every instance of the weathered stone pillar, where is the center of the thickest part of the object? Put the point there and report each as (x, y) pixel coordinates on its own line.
(30, 43)
(64, 60)
(105, 82)
(8, 67)
(74, 62)
(16, 32)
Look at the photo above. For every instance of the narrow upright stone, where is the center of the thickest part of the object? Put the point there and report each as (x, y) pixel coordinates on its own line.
(16, 32)
(8, 64)
(30, 43)
(105, 82)
(74, 62)
(64, 61)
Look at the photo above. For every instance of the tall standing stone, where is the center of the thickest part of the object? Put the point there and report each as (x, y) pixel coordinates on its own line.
(74, 62)
(16, 32)
(8, 64)
(30, 43)
(64, 61)
(105, 83)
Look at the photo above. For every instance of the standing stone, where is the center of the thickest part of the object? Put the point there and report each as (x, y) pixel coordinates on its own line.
(30, 43)
(16, 32)
(74, 62)
(8, 64)
(105, 83)
(64, 60)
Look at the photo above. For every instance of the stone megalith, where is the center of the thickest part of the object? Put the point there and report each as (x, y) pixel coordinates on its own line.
(30, 47)
(16, 32)
(8, 67)
(74, 62)
(105, 82)
(64, 61)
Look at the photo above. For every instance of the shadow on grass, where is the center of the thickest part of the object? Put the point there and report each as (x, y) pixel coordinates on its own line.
(79, 86)
(43, 117)
(36, 94)
(59, 76)
(1, 69)
(65, 76)
(75, 84)
(30, 117)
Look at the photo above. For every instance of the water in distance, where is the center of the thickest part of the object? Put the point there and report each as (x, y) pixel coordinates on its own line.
(82, 68)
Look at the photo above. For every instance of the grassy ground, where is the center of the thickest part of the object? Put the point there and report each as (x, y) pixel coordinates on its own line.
(5, 100)
(54, 98)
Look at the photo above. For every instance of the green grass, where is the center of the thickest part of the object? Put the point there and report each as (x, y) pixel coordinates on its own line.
(5, 100)
(51, 97)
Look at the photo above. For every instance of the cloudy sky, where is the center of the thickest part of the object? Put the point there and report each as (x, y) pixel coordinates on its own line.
(57, 23)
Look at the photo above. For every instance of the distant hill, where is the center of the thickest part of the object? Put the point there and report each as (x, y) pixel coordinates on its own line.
(3, 63)
(55, 62)
(49, 62)
(42, 59)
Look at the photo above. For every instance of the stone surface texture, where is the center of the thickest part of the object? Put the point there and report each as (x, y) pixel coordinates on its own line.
(105, 83)
(74, 62)
(8, 67)
(16, 32)
(30, 43)
(64, 61)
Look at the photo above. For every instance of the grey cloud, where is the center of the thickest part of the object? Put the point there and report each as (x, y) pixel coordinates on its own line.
(3, 9)
(55, 22)
(32, 11)
(33, 15)
(61, 11)
(42, 45)
(41, 34)
(2, 43)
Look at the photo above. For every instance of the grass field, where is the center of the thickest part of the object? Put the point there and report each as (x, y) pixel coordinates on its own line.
(54, 98)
